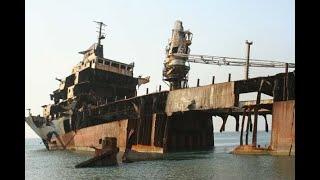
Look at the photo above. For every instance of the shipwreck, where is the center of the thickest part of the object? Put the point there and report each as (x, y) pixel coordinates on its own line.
(98, 100)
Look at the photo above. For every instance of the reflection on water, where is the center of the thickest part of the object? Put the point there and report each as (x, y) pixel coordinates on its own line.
(215, 164)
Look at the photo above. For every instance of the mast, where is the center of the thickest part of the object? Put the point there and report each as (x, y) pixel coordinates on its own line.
(99, 49)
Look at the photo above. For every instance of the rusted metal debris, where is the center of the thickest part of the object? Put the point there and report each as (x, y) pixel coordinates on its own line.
(106, 156)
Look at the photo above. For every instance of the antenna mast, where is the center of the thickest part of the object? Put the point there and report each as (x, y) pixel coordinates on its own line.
(99, 48)
(101, 36)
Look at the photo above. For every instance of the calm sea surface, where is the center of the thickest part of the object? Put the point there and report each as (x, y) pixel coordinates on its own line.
(214, 164)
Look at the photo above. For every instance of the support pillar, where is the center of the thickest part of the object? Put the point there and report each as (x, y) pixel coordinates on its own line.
(256, 108)
(237, 122)
(250, 122)
(266, 123)
(224, 119)
(242, 124)
(247, 130)
(283, 128)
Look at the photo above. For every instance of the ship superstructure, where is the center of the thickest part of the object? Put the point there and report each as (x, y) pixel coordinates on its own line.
(93, 82)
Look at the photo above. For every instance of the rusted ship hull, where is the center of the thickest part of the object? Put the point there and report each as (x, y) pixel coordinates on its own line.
(87, 137)
(162, 122)
(152, 140)
(145, 115)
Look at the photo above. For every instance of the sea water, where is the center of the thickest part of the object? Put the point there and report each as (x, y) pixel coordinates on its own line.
(214, 164)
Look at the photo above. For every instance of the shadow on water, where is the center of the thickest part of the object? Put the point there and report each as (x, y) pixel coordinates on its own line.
(193, 155)
(187, 155)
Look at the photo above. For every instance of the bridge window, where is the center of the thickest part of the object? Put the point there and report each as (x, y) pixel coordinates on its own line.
(115, 65)
(100, 61)
(174, 49)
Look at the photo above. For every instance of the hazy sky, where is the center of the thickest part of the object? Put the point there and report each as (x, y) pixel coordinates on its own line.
(139, 31)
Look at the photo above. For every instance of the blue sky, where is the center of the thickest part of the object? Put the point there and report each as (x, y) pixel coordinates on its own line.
(139, 30)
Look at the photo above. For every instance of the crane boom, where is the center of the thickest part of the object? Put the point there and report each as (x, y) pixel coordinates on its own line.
(231, 61)
(176, 70)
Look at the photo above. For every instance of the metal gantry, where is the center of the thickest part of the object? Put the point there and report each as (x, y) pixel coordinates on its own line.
(232, 61)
